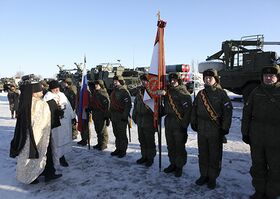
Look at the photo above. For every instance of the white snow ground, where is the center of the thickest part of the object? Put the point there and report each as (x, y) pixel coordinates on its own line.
(95, 174)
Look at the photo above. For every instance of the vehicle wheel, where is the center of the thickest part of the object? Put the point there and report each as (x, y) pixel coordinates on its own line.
(247, 90)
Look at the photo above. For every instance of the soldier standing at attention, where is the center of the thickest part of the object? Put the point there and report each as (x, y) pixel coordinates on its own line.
(45, 87)
(119, 113)
(70, 91)
(211, 118)
(177, 108)
(99, 106)
(260, 129)
(142, 115)
(13, 97)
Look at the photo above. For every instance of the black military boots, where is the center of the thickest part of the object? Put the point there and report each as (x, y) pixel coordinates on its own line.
(202, 180)
(170, 168)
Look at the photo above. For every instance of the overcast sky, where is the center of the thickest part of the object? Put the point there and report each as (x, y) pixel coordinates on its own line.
(37, 35)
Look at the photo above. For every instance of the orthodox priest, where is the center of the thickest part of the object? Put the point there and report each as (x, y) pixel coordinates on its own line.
(62, 135)
(32, 136)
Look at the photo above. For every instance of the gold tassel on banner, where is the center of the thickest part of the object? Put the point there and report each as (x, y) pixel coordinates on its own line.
(90, 118)
(130, 122)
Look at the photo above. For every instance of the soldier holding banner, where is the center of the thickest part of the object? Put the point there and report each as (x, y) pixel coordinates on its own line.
(177, 108)
(142, 115)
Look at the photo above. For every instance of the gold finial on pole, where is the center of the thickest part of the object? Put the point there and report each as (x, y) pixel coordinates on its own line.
(158, 14)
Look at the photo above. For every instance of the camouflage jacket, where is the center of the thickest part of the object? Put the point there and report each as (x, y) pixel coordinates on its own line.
(261, 116)
(99, 104)
(120, 103)
(222, 106)
(142, 115)
(177, 106)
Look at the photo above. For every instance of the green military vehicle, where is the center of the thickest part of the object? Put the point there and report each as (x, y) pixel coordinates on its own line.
(1, 87)
(240, 62)
(106, 72)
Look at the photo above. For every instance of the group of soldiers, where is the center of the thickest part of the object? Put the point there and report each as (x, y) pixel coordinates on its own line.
(209, 115)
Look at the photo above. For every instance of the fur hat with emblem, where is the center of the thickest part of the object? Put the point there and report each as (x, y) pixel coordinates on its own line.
(176, 76)
(119, 78)
(212, 73)
(100, 83)
(274, 69)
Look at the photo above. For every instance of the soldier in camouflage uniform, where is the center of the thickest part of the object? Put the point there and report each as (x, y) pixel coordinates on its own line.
(142, 115)
(260, 129)
(99, 106)
(13, 98)
(177, 108)
(211, 118)
(70, 91)
(119, 112)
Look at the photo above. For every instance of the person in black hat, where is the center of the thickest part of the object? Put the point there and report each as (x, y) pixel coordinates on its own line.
(260, 129)
(33, 125)
(99, 106)
(143, 116)
(62, 135)
(211, 118)
(119, 112)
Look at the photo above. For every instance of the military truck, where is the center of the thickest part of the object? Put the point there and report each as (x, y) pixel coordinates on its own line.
(106, 72)
(239, 63)
(75, 73)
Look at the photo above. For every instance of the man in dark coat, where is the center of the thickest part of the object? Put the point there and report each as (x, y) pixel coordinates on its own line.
(177, 108)
(99, 106)
(142, 115)
(260, 129)
(13, 96)
(211, 118)
(119, 112)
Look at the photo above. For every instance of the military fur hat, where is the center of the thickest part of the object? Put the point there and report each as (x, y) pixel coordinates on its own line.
(100, 82)
(54, 84)
(119, 78)
(176, 76)
(173, 76)
(211, 73)
(44, 83)
(271, 70)
(68, 81)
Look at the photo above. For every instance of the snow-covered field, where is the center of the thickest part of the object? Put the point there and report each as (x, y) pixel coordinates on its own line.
(96, 174)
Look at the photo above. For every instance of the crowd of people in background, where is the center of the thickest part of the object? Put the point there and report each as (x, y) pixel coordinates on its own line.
(46, 125)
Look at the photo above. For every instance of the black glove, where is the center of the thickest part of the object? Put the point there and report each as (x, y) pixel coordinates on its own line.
(60, 113)
(107, 122)
(194, 127)
(223, 132)
(74, 121)
(246, 139)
